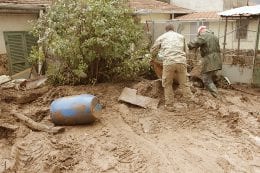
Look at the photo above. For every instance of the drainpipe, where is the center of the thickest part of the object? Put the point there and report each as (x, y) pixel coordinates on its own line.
(225, 39)
(238, 39)
(256, 47)
(257, 38)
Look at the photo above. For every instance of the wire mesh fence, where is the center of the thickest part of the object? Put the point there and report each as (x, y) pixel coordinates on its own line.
(244, 56)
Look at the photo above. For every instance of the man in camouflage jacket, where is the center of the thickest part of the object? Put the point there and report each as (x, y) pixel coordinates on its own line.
(170, 50)
(210, 53)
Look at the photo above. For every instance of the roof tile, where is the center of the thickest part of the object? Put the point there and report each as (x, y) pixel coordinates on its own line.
(200, 15)
(146, 6)
(153, 6)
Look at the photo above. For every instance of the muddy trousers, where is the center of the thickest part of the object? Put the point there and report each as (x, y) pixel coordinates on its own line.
(208, 82)
(179, 73)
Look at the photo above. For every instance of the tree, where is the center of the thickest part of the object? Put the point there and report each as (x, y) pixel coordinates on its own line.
(90, 41)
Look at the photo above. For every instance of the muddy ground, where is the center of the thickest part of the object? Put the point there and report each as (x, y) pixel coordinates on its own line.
(208, 136)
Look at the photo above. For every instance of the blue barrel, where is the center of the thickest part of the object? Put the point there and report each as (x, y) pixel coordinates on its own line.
(75, 110)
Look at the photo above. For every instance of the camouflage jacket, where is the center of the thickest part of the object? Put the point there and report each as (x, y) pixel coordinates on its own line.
(210, 51)
(170, 48)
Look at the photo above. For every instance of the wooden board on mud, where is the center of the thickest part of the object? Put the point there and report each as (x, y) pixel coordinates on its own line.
(129, 95)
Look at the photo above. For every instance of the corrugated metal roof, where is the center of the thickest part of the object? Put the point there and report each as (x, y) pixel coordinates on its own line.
(153, 6)
(200, 15)
(242, 11)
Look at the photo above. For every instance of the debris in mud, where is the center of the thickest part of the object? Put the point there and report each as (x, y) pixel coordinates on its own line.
(130, 139)
(4, 79)
(24, 97)
(39, 115)
(16, 84)
(151, 89)
(7, 82)
(129, 95)
(36, 126)
(7, 130)
(35, 83)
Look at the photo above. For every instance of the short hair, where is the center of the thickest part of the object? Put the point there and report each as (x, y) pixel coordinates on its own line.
(169, 27)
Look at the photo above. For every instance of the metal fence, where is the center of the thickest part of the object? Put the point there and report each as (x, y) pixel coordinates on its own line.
(189, 30)
(238, 61)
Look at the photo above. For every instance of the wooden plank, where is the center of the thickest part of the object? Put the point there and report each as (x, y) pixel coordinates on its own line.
(129, 95)
(35, 125)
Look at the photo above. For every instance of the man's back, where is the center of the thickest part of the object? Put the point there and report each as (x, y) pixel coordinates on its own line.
(209, 49)
(172, 48)
(211, 43)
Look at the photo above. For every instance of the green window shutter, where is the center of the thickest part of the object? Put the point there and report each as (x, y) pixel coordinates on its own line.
(30, 42)
(18, 45)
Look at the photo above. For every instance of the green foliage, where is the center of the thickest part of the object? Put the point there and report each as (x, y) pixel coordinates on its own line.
(36, 54)
(89, 41)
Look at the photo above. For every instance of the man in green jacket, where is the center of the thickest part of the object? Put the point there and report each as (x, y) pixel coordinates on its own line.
(211, 58)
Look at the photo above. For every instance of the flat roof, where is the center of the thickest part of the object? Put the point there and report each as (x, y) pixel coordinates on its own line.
(242, 11)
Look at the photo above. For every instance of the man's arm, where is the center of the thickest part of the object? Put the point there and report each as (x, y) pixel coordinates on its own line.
(197, 42)
(156, 46)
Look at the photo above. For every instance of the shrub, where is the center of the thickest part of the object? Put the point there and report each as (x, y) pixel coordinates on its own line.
(90, 41)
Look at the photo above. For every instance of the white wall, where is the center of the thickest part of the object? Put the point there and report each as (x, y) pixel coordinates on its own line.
(14, 22)
(238, 74)
(200, 5)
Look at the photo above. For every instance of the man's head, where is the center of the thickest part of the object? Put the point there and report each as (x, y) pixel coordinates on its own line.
(202, 29)
(169, 27)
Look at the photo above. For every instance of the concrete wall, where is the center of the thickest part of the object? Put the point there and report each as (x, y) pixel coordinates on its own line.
(14, 22)
(200, 5)
(154, 17)
(238, 74)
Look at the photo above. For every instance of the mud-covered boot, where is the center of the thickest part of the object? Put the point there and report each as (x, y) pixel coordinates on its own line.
(213, 90)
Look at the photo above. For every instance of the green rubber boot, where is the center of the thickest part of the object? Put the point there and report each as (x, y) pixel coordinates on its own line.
(213, 90)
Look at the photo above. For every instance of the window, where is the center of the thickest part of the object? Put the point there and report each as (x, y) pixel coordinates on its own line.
(242, 27)
(18, 45)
